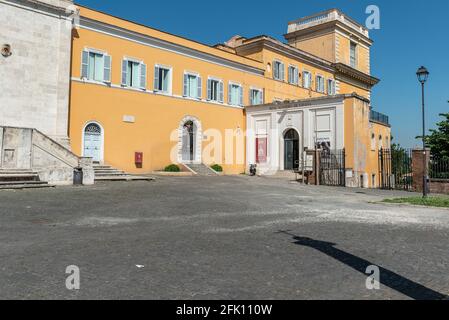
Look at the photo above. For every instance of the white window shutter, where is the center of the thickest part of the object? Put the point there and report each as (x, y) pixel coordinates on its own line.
(143, 76)
(230, 94)
(262, 92)
(200, 87)
(251, 100)
(296, 76)
(85, 65)
(156, 78)
(282, 75)
(107, 69)
(124, 71)
(241, 96)
(209, 89)
(185, 86)
(221, 92)
(275, 70)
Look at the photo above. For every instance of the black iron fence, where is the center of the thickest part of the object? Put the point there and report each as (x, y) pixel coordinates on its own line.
(439, 168)
(333, 168)
(395, 169)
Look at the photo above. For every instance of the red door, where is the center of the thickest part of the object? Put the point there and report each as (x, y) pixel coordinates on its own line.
(261, 150)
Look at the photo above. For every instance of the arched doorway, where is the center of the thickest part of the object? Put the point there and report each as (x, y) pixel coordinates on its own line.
(291, 150)
(93, 142)
(188, 141)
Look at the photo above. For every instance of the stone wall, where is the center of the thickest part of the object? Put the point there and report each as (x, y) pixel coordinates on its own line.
(439, 186)
(30, 149)
(35, 78)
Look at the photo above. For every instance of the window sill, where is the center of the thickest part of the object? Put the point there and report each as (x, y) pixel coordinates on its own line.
(162, 93)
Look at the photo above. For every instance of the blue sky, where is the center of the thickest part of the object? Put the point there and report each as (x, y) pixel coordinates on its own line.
(413, 33)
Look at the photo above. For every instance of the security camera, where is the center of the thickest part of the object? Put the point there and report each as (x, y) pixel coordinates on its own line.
(6, 50)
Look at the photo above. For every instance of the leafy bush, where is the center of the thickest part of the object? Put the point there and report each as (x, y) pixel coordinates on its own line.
(172, 168)
(217, 168)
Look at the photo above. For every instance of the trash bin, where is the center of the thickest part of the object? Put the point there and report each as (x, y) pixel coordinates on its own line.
(78, 176)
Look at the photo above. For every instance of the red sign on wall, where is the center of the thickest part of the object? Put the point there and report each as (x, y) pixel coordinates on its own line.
(261, 150)
(138, 158)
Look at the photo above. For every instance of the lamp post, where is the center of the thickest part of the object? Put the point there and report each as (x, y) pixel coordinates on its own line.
(423, 75)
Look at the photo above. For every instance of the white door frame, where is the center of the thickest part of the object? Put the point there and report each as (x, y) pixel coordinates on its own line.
(101, 139)
(282, 147)
(198, 139)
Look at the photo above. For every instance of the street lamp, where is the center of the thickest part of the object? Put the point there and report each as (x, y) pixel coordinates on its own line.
(423, 75)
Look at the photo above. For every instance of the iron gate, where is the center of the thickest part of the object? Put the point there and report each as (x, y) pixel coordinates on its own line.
(333, 168)
(395, 169)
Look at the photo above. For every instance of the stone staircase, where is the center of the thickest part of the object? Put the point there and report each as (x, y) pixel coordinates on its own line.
(108, 173)
(12, 179)
(201, 169)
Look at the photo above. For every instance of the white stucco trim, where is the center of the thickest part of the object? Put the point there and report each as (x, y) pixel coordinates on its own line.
(282, 145)
(198, 140)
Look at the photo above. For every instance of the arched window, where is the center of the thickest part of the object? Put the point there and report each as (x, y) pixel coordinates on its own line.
(291, 135)
(373, 142)
(93, 128)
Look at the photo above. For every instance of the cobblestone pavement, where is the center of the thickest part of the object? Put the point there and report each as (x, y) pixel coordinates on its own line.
(219, 238)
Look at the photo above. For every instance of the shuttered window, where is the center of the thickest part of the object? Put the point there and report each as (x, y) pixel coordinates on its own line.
(353, 55)
(96, 66)
(278, 70)
(215, 90)
(320, 84)
(162, 79)
(307, 80)
(293, 75)
(235, 95)
(192, 86)
(256, 96)
(134, 74)
(331, 87)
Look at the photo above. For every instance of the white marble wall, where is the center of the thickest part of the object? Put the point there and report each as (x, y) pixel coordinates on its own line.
(34, 80)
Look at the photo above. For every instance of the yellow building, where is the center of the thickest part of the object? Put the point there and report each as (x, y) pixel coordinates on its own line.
(137, 90)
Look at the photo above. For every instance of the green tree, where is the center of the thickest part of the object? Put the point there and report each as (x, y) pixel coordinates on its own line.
(438, 140)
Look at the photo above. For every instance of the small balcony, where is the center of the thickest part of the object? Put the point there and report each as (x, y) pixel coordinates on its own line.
(379, 118)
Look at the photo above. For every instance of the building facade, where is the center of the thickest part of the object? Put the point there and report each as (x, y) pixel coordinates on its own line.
(137, 90)
(38, 35)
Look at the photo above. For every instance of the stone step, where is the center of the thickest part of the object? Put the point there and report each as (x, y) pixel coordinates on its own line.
(123, 178)
(110, 172)
(26, 186)
(5, 171)
(201, 169)
(102, 167)
(19, 177)
(11, 183)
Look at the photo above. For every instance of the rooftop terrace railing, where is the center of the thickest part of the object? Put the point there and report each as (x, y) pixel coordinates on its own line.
(379, 117)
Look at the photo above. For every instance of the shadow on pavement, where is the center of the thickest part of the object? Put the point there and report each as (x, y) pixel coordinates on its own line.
(387, 277)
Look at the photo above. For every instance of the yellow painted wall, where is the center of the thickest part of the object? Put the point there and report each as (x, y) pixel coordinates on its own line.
(322, 46)
(358, 129)
(343, 53)
(156, 117)
(349, 88)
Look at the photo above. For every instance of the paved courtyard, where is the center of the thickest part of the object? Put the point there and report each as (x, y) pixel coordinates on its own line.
(219, 238)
